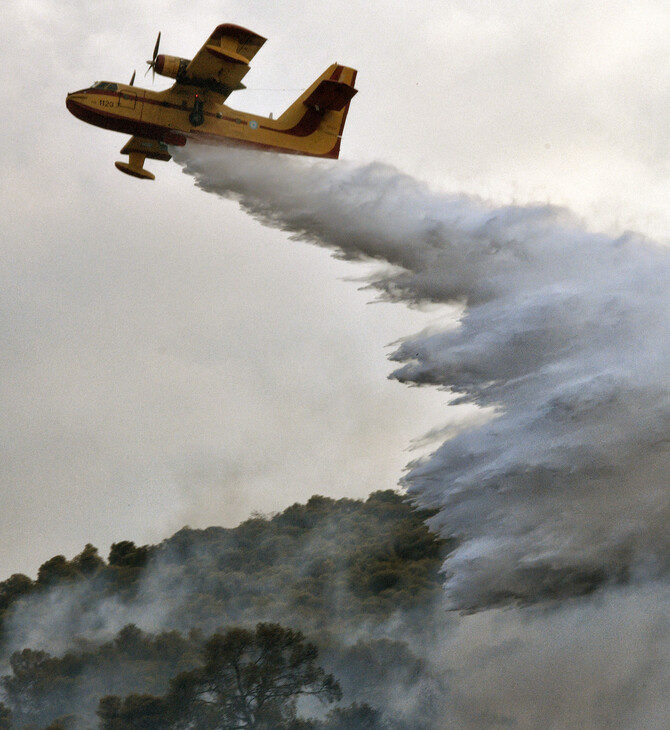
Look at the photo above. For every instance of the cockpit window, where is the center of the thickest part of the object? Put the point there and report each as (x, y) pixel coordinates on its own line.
(105, 85)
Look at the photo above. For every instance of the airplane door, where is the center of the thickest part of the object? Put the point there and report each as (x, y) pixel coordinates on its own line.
(127, 101)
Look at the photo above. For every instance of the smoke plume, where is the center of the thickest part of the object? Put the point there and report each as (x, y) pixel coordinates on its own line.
(562, 337)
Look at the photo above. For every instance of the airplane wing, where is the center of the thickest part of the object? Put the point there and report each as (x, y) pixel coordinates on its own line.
(223, 61)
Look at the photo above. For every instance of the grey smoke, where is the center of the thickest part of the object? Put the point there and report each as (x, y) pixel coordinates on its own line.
(563, 337)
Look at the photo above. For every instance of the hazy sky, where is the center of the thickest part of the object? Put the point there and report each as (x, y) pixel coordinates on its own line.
(167, 360)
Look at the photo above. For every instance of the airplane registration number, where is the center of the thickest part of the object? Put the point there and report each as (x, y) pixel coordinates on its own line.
(106, 102)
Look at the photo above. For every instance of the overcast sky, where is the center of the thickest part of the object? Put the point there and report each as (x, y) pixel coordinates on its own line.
(165, 359)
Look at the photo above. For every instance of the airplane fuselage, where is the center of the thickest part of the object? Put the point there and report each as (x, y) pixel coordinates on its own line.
(168, 117)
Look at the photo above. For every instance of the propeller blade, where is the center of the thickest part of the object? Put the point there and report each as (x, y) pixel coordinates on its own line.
(152, 63)
(132, 78)
(158, 42)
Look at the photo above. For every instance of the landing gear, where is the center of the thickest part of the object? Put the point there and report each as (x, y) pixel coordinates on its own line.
(197, 116)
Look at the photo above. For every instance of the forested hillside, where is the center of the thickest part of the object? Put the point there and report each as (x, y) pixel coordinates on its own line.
(358, 581)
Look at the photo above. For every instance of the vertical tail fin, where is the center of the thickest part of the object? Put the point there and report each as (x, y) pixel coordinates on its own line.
(316, 119)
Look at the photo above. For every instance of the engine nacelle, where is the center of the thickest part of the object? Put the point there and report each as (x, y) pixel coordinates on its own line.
(171, 66)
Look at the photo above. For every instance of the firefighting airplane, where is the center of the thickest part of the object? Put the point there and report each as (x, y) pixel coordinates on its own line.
(193, 108)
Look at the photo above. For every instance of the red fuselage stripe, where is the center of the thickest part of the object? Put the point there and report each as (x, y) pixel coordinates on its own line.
(106, 120)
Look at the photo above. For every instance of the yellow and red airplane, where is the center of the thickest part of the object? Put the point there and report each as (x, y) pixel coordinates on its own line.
(193, 109)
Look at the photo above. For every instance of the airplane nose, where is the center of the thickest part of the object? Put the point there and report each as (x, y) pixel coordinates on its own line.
(73, 97)
(73, 102)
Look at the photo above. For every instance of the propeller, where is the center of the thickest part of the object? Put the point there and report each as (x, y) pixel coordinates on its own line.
(132, 78)
(152, 63)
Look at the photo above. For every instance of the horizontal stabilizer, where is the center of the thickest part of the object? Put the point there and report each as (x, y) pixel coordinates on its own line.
(330, 95)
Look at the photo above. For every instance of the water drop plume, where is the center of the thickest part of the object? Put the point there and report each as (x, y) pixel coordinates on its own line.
(564, 339)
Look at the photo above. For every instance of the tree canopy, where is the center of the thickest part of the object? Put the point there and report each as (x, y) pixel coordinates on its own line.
(248, 679)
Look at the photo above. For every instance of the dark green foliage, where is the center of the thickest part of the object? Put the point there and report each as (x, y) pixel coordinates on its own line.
(88, 562)
(5, 717)
(67, 722)
(356, 717)
(133, 643)
(54, 570)
(135, 712)
(249, 679)
(329, 567)
(369, 667)
(42, 687)
(329, 562)
(13, 588)
(252, 679)
(127, 562)
(126, 554)
(332, 563)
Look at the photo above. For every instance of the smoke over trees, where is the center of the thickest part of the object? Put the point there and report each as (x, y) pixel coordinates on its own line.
(249, 679)
(359, 578)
